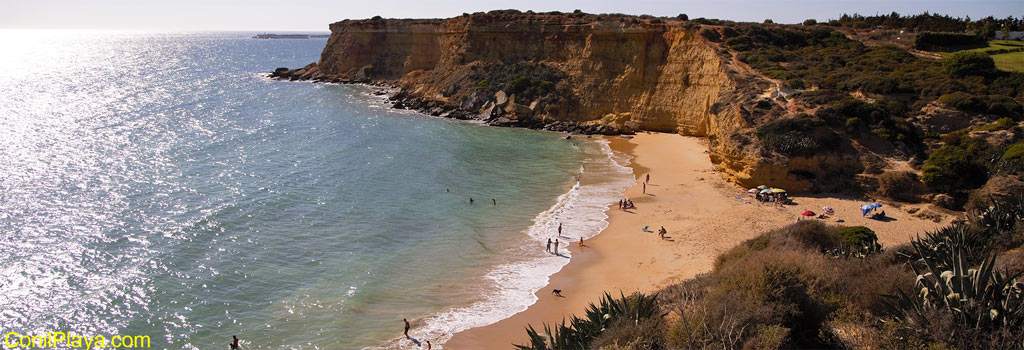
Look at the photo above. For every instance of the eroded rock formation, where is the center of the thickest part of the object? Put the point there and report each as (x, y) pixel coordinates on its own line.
(585, 74)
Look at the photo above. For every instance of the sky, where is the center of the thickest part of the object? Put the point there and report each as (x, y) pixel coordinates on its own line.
(315, 15)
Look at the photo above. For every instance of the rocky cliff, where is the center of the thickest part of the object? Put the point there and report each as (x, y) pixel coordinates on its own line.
(583, 73)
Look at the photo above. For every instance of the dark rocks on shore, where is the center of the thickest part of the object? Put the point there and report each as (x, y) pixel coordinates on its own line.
(497, 112)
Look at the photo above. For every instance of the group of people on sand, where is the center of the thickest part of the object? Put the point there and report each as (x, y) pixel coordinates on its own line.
(625, 203)
(777, 199)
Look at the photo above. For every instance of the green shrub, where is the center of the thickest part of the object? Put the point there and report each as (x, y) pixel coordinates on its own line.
(683, 16)
(710, 34)
(857, 235)
(796, 83)
(739, 43)
(810, 22)
(963, 101)
(966, 63)
(950, 169)
(1013, 157)
(853, 124)
(1001, 124)
(729, 32)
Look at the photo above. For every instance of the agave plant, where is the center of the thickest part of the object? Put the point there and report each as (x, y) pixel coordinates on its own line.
(979, 297)
(999, 216)
(944, 246)
(581, 331)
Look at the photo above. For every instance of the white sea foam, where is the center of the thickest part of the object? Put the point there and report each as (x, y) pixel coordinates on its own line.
(512, 286)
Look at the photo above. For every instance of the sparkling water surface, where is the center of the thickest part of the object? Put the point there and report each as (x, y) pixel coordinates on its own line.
(157, 184)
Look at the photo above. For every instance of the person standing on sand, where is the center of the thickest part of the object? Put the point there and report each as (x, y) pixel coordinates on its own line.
(406, 327)
(234, 342)
(548, 249)
(556, 246)
(648, 177)
(428, 345)
(559, 229)
(581, 242)
(645, 188)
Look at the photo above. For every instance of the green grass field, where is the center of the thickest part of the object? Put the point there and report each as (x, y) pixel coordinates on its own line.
(1011, 61)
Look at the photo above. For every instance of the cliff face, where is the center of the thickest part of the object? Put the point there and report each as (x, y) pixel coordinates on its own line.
(560, 72)
(648, 76)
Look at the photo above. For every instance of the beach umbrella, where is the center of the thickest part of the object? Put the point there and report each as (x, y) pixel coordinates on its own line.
(827, 209)
(766, 191)
(876, 205)
(762, 187)
(865, 209)
(807, 213)
(778, 190)
(753, 190)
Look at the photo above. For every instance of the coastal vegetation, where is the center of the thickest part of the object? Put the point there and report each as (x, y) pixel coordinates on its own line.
(845, 90)
(956, 287)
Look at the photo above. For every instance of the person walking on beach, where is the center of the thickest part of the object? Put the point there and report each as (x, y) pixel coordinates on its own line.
(428, 345)
(648, 178)
(559, 229)
(645, 188)
(581, 242)
(556, 246)
(548, 249)
(406, 327)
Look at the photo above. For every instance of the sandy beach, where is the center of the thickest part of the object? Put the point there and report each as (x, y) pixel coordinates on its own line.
(704, 216)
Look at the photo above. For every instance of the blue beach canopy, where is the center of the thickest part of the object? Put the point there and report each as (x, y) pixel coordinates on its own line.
(865, 209)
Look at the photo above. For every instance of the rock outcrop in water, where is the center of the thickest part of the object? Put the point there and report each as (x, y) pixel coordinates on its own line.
(589, 74)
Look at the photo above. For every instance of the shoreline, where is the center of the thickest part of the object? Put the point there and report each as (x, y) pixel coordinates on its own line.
(704, 214)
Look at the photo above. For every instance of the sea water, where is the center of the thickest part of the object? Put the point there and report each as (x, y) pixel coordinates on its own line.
(159, 185)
